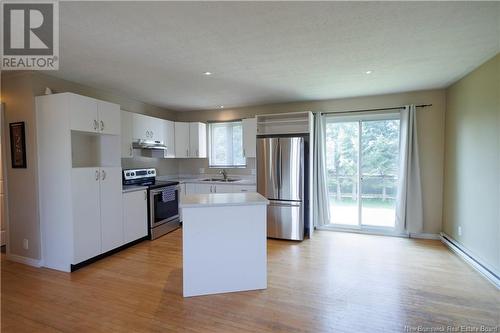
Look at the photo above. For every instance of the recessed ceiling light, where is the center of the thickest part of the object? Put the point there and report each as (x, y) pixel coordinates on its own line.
(207, 73)
(369, 72)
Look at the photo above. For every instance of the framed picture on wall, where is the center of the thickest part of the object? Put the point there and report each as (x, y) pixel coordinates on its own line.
(17, 145)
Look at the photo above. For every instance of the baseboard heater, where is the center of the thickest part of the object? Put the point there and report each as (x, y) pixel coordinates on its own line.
(476, 264)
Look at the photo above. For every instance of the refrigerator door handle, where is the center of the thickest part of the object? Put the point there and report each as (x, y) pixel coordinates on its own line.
(278, 169)
(285, 203)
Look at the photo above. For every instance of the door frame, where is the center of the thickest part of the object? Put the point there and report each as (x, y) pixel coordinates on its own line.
(359, 118)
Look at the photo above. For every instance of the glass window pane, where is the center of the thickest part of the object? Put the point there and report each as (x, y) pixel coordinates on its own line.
(342, 164)
(226, 144)
(379, 172)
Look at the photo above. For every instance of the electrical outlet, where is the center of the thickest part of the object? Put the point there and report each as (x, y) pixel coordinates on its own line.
(459, 230)
(26, 245)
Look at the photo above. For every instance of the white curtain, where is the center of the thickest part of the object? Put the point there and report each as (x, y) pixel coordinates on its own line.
(321, 208)
(409, 212)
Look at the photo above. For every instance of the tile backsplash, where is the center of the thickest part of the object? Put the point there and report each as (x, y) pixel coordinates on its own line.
(193, 166)
(183, 166)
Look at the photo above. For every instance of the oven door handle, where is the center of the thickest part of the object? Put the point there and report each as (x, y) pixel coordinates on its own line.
(159, 190)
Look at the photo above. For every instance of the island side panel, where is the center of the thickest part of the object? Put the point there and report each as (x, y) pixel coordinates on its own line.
(224, 249)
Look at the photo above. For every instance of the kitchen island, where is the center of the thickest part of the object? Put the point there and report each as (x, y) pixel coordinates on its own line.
(224, 243)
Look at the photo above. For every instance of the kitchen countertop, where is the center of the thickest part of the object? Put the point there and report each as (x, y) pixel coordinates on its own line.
(133, 188)
(199, 180)
(222, 200)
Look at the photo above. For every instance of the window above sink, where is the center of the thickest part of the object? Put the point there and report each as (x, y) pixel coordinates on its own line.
(226, 145)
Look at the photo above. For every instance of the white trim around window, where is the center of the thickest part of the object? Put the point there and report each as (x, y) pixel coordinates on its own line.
(225, 145)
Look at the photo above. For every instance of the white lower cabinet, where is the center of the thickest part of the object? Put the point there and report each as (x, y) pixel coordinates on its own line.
(201, 188)
(222, 188)
(86, 213)
(97, 211)
(111, 208)
(135, 215)
(191, 188)
(204, 188)
(244, 188)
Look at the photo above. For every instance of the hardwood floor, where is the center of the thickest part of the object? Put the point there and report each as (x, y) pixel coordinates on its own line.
(335, 282)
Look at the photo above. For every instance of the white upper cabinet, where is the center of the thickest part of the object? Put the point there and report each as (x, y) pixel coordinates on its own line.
(147, 128)
(181, 139)
(197, 140)
(91, 115)
(109, 118)
(249, 137)
(169, 135)
(83, 114)
(126, 135)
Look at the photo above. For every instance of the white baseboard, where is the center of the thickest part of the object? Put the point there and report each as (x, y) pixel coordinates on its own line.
(465, 255)
(24, 260)
(424, 235)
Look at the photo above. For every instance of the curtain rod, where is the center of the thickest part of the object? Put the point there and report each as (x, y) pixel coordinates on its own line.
(380, 109)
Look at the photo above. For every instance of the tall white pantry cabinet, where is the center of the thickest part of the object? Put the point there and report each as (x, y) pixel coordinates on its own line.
(79, 172)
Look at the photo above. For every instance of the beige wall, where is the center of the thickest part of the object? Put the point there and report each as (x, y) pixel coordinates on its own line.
(18, 99)
(472, 169)
(17, 93)
(431, 139)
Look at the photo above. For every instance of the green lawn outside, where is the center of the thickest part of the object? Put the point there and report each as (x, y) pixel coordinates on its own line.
(375, 212)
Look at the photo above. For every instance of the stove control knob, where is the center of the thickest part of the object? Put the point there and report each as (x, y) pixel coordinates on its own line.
(127, 174)
(132, 174)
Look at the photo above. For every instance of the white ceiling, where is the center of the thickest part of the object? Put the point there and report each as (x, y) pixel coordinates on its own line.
(270, 52)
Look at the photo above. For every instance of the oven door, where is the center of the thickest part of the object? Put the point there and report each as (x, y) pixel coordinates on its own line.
(163, 207)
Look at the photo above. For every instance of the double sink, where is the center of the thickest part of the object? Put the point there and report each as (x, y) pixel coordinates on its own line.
(221, 180)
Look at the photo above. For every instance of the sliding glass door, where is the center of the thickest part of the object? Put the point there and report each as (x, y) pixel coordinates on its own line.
(362, 157)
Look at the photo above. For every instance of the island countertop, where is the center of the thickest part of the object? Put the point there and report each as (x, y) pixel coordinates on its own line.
(222, 199)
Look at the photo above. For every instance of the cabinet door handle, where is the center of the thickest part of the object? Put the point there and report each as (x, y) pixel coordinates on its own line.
(103, 174)
(97, 175)
(215, 188)
(96, 125)
(244, 153)
(211, 189)
(102, 125)
(145, 195)
(187, 152)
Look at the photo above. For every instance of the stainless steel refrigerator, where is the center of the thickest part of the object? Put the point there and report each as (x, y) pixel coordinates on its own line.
(282, 177)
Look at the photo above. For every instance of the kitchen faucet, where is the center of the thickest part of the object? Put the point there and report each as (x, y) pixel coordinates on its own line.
(223, 172)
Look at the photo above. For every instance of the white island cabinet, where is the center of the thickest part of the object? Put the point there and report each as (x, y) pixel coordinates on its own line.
(223, 243)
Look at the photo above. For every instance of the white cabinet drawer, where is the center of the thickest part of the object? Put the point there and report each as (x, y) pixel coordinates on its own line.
(244, 188)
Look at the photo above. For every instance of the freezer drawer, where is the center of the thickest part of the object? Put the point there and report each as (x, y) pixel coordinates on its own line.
(285, 220)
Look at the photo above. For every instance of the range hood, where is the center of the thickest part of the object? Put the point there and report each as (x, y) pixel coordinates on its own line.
(147, 144)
